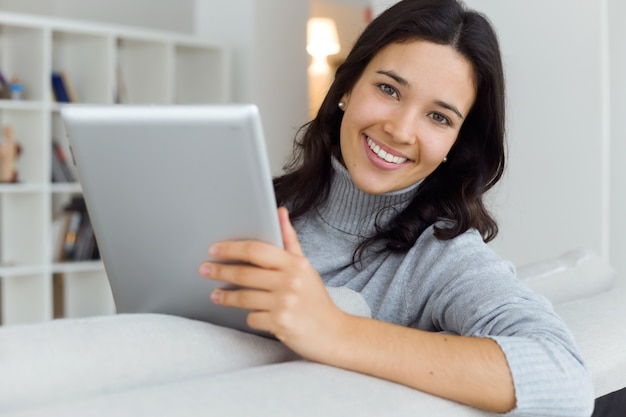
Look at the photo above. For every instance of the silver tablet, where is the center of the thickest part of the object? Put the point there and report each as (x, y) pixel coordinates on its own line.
(161, 184)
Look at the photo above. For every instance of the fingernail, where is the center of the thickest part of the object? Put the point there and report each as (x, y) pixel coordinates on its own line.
(216, 295)
(205, 269)
(213, 250)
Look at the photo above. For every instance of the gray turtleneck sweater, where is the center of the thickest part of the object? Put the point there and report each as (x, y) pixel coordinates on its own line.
(458, 286)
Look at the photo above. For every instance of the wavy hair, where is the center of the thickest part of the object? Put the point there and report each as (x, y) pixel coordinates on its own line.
(454, 191)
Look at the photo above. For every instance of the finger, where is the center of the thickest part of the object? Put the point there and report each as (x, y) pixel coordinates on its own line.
(252, 252)
(243, 298)
(290, 237)
(261, 320)
(240, 275)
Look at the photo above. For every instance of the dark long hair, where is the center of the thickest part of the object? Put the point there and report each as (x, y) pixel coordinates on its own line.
(454, 191)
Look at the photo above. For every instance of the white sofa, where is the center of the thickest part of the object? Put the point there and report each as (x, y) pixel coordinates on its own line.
(156, 365)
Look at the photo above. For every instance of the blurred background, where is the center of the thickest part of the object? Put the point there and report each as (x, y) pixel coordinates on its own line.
(565, 61)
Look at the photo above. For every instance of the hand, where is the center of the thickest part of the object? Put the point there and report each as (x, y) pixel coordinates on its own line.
(285, 293)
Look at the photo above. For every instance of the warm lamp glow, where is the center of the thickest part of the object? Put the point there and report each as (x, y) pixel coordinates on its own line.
(322, 40)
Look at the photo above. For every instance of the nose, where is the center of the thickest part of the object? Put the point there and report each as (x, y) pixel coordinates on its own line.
(402, 125)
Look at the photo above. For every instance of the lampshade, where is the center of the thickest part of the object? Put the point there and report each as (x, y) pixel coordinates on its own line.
(322, 38)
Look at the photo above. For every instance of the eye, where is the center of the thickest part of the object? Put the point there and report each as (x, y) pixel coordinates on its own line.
(440, 118)
(388, 90)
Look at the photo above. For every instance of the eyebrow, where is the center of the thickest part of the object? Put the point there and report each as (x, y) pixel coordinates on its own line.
(395, 76)
(450, 107)
(405, 83)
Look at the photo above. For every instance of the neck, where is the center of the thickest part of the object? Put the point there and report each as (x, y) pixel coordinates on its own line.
(355, 212)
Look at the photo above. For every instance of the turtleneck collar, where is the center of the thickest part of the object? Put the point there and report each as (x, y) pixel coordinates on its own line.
(352, 211)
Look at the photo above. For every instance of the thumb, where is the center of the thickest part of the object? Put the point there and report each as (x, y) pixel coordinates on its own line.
(290, 238)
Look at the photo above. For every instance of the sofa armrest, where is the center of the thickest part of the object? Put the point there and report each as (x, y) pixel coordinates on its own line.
(299, 388)
(71, 359)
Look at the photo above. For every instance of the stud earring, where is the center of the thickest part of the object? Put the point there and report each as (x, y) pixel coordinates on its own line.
(445, 159)
(341, 105)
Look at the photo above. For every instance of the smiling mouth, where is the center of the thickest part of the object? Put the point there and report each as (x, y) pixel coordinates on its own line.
(385, 156)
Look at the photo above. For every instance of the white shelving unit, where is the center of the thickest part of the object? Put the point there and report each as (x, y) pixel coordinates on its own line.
(105, 65)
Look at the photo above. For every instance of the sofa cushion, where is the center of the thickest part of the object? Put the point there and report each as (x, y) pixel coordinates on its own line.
(600, 332)
(576, 274)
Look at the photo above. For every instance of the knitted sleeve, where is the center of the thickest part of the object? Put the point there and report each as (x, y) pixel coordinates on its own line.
(473, 292)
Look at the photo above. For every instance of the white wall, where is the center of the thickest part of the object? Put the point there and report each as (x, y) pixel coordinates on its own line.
(268, 40)
(171, 15)
(617, 70)
(378, 6)
(552, 198)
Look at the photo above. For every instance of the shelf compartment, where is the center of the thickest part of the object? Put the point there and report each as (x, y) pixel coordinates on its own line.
(83, 293)
(29, 131)
(25, 298)
(22, 55)
(85, 60)
(143, 72)
(201, 75)
(22, 241)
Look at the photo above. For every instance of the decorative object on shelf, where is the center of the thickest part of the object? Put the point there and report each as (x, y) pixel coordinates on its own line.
(10, 150)
(16, 88)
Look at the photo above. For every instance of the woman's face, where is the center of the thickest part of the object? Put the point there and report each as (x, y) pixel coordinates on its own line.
(404, 114)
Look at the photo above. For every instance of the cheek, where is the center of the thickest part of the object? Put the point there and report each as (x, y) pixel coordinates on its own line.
(434, 152)
(345, 145)
(350, 128)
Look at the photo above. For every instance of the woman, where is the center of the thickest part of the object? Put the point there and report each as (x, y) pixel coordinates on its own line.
(385, 195)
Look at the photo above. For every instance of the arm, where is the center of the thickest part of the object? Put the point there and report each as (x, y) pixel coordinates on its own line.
(290, 301)
(472, 371)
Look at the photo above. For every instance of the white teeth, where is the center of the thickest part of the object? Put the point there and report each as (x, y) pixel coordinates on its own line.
(384, 155)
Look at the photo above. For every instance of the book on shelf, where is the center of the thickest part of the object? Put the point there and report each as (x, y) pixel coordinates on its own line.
(61, 171)
(73, 221)
(78, 242)
(62, 89)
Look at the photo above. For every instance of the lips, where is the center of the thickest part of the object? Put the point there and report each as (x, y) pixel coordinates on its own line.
(384, 155)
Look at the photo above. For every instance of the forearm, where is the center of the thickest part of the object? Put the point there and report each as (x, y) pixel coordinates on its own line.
(472, 371)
